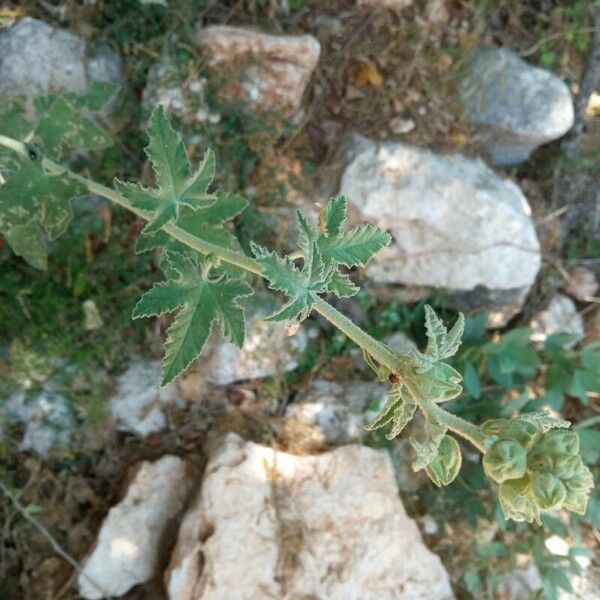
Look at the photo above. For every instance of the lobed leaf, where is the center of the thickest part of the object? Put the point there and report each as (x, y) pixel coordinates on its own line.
(207, 224)
(176, 185)
(33, 202)
(201, 303)
(60, 124)
(398, 411)
(427, 449)
(300, 285)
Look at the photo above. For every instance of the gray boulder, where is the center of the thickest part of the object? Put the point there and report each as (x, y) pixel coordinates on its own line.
(456, 225)
(518, 106)
(37, 59)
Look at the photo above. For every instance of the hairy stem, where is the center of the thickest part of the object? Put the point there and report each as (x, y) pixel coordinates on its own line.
(380, 352)
(467, 430)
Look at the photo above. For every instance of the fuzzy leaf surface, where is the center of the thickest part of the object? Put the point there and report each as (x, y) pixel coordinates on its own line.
(201, 303)
(427, 449)
(31, 202)
(207, 224)
(544, 421)
(398, 411)
(352, 248)
(60, 124)
(300, 285)
(176, 185)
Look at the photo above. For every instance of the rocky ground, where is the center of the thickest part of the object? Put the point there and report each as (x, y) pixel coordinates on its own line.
(252, 475)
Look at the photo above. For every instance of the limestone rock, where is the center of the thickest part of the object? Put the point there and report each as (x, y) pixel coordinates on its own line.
(182, 95)
(269, 72)
(274, 525)
(130, 540)
(331, 414)
(560, 316)
(267, 351)
(37, 59)
(518, 106)
(455, 224)
(139, 404)
(46, 416)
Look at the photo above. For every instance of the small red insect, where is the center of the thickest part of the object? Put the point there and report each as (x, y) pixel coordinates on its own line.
(395, 378)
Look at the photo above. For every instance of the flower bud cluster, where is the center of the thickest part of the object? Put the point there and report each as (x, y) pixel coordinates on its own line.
(536, 470)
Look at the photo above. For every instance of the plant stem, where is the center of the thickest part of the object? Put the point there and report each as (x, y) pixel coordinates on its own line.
(467, 430)
(380, 352)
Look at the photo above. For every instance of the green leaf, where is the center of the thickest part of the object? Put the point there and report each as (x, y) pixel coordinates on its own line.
(335, 215)
(427, 449)
(60, 124)
(206, 224)
(399, 410)
(544, 421)
(471, 381)
(353, 248)
(28, 241)
(302, 286)
(96, 97)
(30, 200)
(441, 343)
(176, 185)
(444, 468)
(558, 578)
(202, 302)
(12, 121)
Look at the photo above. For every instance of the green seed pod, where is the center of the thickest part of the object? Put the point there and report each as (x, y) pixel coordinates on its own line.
(548, 490)
(444, 468)
(517, 500)
(576, 501)
(506, 459)
(582, 481)
(560, 442)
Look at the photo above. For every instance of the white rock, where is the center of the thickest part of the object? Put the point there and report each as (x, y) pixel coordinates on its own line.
(560, 316)
(455, 223)
(139, 403)
(46, 416)
(274, 525)
(267, 351)
(269, 72)
(37, 59)
(129, 542)
(331, 413)
(521, 106)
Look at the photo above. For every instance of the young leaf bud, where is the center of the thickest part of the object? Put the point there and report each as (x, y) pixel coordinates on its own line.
(444, 468)
(581, 481)
(517, 501)
(548, 490)
(567, 467)
(560, 442)
(576, 501)
(506, 459)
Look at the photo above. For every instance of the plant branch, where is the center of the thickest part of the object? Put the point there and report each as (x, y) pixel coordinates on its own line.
(467, 430)
(378, 351)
